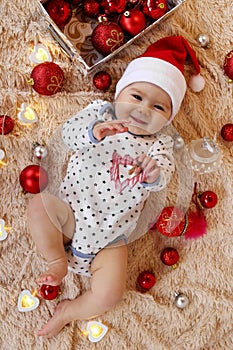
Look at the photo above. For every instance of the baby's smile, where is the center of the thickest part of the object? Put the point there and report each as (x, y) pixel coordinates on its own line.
(137, 120)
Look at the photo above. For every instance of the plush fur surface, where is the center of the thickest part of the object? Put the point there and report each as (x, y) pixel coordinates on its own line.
(147, 321)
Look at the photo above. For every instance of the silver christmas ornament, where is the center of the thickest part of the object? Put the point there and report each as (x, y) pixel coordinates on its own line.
(181, 300)
(203, 40)
(39, 151)
(178, 142)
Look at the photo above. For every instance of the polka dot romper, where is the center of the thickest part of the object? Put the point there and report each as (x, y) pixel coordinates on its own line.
(104, 214)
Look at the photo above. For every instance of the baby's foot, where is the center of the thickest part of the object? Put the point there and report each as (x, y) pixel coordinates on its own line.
(57, 270)
(56, 323)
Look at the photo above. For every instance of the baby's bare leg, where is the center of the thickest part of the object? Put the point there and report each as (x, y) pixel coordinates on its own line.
(51, 222)
(109, 270)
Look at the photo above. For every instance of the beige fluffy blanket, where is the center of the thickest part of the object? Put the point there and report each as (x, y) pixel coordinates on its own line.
(147, 321)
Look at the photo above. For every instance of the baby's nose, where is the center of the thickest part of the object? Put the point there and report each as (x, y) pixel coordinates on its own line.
(145, 110)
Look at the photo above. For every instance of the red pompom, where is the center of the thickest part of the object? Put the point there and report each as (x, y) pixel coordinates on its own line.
(47, 78)
(102, 80)
(6, 124)
(145, 281)
(113, 6)
(33, 179)
(169, 256)
(132, 22)
(228, 65)
(107, 37)
(197, 225)
(154, 8)
(227, 132)
(60, 11)
(49, 292)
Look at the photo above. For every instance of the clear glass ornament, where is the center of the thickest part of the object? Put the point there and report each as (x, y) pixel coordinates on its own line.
(205, 156)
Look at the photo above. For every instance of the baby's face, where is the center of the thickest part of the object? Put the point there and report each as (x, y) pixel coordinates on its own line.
(146, 106)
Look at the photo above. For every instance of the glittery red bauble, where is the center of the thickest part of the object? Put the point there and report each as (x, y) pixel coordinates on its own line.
(60, 11)
(169, 256)
(154, 8)
(132, 22)
(6, 124)
(208, 199)
(102, 80)
(47, 78)
(107, 37)
(145, 281)
(227, 132)
(228, 65)
(49, 292)
(33, 179)
(91, 8)
(171, 222)
(113, 6)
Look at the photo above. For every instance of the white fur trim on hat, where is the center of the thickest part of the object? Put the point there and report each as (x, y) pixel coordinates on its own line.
(157, 72)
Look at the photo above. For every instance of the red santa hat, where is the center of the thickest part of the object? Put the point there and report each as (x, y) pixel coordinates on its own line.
(162, 64)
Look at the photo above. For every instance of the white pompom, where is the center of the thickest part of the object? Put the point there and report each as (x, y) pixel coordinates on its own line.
(196, 83)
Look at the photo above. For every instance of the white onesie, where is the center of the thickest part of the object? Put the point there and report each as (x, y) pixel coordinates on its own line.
(105, 199)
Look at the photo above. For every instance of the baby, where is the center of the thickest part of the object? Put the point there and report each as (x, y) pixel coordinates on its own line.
(119, 156)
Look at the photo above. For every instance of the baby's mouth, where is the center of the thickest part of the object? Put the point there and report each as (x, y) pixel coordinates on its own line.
(138, 120)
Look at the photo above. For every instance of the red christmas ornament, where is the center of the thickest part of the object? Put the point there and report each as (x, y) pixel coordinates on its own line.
(169, 256)
(102, 80)
(227, 132)
(208, 199)
(47, 78)
(107, 37)
(33, 179)
(132, 22)
(154, 8)
(6, 124)
(113, 6)
(91, 8)
(145, 281)
(228, 65)
(171, 222)
(60, 11)
(49, 292)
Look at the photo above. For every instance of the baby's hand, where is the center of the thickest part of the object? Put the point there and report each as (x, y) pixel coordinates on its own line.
(101, 130)
(149, 167)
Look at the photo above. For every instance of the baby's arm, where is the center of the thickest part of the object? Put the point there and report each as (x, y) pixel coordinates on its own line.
(102, 129)
(75, 131)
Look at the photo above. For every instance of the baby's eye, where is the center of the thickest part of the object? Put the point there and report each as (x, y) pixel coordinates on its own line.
(137, 97)
(159, 107)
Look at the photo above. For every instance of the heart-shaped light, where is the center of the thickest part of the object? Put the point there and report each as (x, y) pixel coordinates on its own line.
(96, 331)
(27, 115)
(2, 156)
(27, 302)
(3, 233)
(40, 54)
